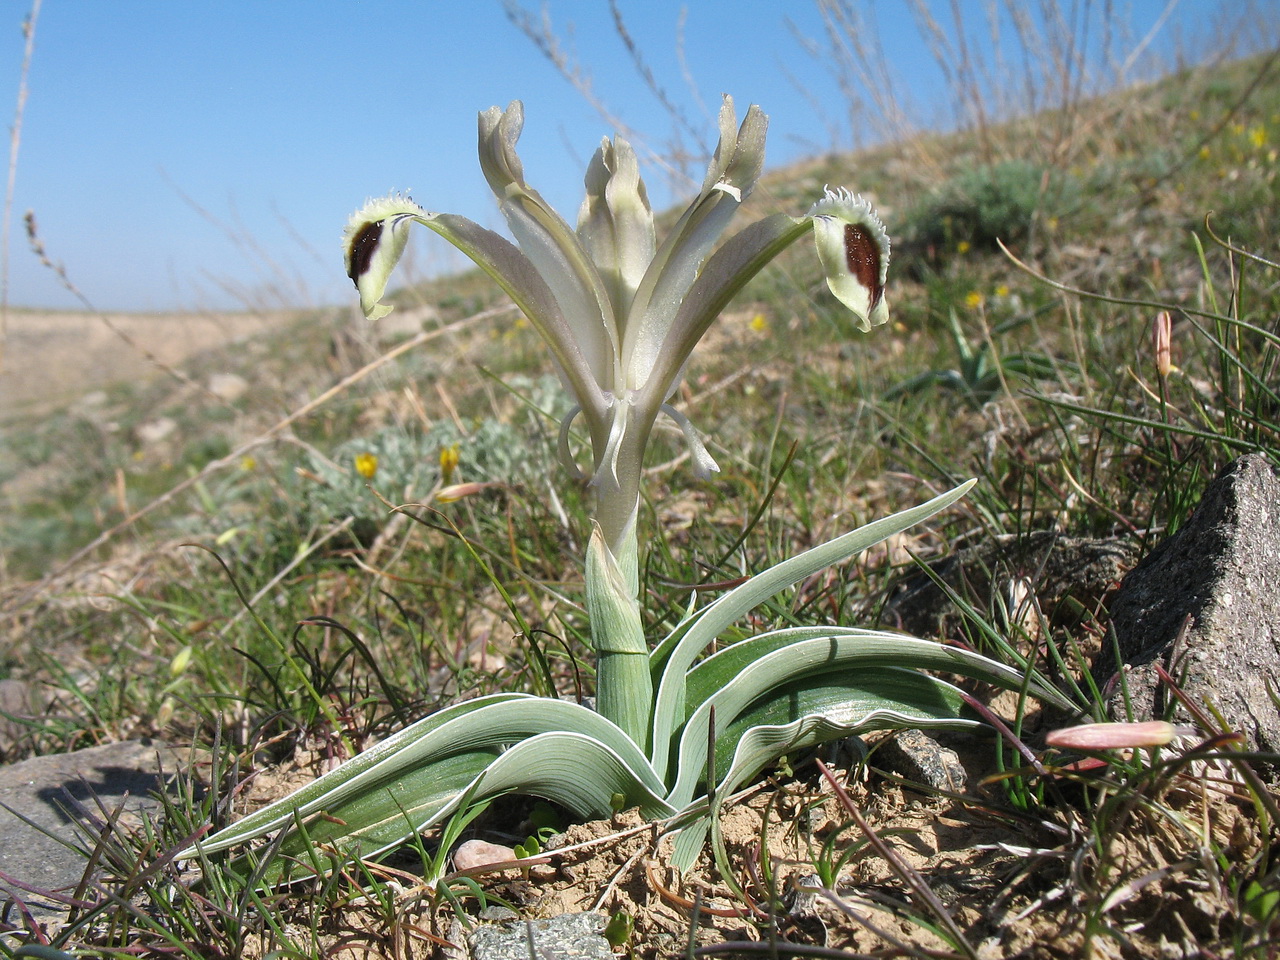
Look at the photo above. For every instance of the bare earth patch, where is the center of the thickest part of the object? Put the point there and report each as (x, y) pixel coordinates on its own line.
(50, 357)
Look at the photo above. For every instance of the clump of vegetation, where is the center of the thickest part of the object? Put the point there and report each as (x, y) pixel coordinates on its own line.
(978, 208)
(281, 646)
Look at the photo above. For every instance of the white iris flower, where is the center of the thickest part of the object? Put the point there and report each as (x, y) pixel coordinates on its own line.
(620, 311)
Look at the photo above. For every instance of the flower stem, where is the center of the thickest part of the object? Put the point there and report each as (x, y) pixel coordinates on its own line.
(624, 686)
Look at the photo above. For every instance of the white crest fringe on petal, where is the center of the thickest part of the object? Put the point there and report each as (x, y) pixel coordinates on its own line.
(854, 249)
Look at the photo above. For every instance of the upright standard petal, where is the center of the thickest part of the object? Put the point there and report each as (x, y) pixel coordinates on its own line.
(731, 176)
(739, 155)
(854, 250)
(615, 223)
(373, 243)
(549, 243)
(499, 131)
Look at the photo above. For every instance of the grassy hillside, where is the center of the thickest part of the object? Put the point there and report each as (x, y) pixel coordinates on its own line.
(174, 555)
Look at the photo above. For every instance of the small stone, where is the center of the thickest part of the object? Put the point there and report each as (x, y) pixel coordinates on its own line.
(91, 405)
(228, 386)
(570, 936)
(154, 431)
(542, 871)
(917, 757)
(480, 853)
(497, 914)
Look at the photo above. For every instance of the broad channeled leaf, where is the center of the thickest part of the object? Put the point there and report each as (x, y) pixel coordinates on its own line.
(669, 710)
(578, 772)
(412, 769)
(903, 696)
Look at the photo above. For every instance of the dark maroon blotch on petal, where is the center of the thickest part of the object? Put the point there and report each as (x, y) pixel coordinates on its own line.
(363, 247)
(862, 257)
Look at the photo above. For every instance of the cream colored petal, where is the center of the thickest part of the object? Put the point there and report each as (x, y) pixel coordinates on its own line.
(373, 243)
(549, 242)
(854, 249)
(731, 176)
(615, 223)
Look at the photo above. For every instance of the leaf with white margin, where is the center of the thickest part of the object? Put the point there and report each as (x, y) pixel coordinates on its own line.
(762, 745)
(669, 709)
(717, 670)
(916, 699)
(578, 772)
(488, 724)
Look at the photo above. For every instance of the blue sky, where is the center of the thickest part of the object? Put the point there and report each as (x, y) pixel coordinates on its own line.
(198, 154)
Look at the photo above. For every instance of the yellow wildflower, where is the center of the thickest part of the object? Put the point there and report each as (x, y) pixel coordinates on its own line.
(1258, 137)
(1002, 290)
(759, 323)
(962, 247)
(248, 463)
(366, 465)
(973, 299)
(448, 463)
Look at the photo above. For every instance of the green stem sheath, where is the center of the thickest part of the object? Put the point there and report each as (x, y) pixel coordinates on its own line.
(624, 686)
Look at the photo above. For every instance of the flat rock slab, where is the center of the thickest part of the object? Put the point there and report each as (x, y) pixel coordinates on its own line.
(1221, 569)
(47, 790)
(570, 936)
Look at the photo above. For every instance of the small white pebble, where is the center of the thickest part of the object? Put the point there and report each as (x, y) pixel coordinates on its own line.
(480, 853)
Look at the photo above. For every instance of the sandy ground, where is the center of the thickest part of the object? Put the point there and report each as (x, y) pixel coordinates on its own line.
(50, 357)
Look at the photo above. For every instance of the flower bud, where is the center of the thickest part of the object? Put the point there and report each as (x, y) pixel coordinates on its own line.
(1112, 736)
(1161, 335)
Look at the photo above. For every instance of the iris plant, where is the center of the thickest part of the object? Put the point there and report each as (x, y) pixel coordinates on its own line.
(621, 313)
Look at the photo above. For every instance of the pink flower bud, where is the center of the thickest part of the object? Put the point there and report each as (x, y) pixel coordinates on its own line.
(1112, 736)
(1161, 329)
(459, 490)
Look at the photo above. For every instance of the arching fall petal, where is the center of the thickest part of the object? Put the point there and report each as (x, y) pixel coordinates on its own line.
(375, 238)
(373, 243)
(854, 250)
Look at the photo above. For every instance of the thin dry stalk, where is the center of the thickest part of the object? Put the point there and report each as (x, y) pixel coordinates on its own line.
(15, 140)
(673, 158)
(1048, 59)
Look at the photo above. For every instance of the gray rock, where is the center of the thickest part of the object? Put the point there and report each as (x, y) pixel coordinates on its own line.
(566, 937)
(916, 756)
(52, 792)
(1221, 569)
